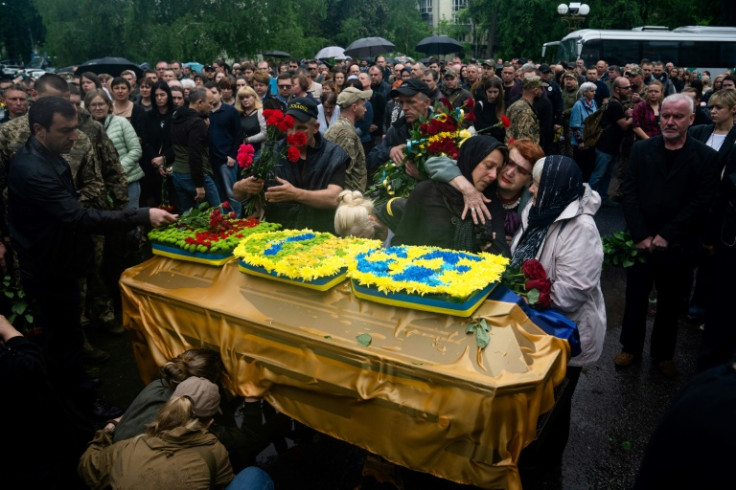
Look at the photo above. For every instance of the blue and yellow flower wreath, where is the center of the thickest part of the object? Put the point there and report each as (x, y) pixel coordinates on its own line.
(426, 270)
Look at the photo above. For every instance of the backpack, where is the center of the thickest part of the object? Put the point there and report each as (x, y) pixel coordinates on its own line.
(592, 127)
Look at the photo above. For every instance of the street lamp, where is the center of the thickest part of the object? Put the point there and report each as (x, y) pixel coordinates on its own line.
(573, 13)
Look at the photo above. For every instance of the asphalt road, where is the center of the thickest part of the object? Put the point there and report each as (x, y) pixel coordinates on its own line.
(614, 413)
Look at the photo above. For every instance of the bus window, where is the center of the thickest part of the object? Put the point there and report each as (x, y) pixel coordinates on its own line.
(620, 52)
(663, 51)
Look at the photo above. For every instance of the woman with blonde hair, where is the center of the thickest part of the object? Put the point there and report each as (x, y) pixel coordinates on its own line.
(252, 122)
(357, 216)
(176, 451)
(202, 363)
(645, 117)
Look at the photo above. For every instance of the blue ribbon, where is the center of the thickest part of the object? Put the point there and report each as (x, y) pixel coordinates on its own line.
(551, 321)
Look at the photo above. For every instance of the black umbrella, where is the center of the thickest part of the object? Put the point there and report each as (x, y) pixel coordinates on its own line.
(112, 65)
(368, 47)
(277, 54)
(439, 45)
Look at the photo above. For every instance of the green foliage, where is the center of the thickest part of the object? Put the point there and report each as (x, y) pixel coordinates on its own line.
(16, 306)
(520, 28)
(21, 28)
(481, 331)
(191, 30)
(620, 250)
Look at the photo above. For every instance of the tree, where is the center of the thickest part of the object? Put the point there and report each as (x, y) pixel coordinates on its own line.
(22, 29)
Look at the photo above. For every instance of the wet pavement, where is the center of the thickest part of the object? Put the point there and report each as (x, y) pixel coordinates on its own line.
(614, 412)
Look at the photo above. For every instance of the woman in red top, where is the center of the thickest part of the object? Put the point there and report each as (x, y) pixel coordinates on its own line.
(645, 118)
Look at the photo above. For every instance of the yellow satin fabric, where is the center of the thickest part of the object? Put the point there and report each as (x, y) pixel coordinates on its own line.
(421, 395)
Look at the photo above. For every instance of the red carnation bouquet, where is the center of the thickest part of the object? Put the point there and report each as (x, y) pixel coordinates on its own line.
(440, 134)
(531, 282)
(277, 123)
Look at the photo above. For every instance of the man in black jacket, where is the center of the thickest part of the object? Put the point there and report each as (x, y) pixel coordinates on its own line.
(670, 182)
(306, 190)
(50, 230)
(413, 95)
(193, 177)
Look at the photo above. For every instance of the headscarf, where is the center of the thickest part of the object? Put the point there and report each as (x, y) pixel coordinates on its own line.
(561, 183)
(472, 152)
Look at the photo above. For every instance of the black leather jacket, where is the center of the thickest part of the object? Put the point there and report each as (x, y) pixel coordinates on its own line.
(49, 228)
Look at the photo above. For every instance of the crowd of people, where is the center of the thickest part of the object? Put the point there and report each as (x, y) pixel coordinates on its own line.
(89, 160)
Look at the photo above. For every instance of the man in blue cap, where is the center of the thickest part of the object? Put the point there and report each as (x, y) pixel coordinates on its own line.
(305, 191)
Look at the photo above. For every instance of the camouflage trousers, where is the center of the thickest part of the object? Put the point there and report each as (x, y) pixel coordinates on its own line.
(97, 305)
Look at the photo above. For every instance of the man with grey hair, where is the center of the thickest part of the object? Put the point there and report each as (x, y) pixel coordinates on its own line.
(669, 185)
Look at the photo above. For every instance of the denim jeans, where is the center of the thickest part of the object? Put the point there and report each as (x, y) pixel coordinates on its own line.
(600, 179)
(225, 177)
(186, 191)
(251, 478)
(134, 195)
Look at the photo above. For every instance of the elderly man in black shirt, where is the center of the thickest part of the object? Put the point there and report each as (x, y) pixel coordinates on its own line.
(305, 192)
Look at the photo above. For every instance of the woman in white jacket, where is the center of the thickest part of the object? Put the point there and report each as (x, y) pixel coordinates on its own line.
(123, 136)
(558, 229)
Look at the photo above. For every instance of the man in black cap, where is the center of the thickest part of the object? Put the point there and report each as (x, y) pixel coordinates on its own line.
(554, 93)
(452, 90)
(305, 192)
(413, 95)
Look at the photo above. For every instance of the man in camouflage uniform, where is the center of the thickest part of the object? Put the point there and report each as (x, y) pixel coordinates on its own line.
(523, 117)
(569, 97)
(98, 305)
(342, 133)
(452, 89)
(82, 158)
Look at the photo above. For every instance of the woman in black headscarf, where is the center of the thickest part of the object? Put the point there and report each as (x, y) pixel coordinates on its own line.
(558, 229)
(434, 213)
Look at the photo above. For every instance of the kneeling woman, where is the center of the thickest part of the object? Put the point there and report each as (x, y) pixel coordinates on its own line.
(434, 212)
(558, 229)
(177, 450)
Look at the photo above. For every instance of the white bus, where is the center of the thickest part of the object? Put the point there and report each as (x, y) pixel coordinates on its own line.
(694, 47)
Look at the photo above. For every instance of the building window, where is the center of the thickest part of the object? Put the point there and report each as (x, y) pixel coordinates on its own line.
(425, 6)
(459, 4)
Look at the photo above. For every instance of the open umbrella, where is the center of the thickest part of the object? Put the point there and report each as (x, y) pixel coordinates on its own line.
(195, 66)
(110, 64)
(368, 47)
(439, 45)
(330, 52)
(277, 54)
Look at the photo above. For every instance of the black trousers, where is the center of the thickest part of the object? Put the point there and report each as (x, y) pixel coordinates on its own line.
(59, 308)
(667, 270)
(719, 339)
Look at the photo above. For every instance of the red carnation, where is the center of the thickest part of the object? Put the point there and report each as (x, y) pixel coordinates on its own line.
(446, 102)
(245, 156)
(225, 205)
(505, 121)
(469, 103)
(286, 123)
(293, 154)
(297, 139)
(470, 117)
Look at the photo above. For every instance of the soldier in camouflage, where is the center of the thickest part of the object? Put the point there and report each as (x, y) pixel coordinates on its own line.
(452, 90)
(86, 172)
(569, 97)
(521, 114)
(342, 133)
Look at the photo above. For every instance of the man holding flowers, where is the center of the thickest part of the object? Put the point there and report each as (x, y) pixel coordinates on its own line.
(308, 177)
